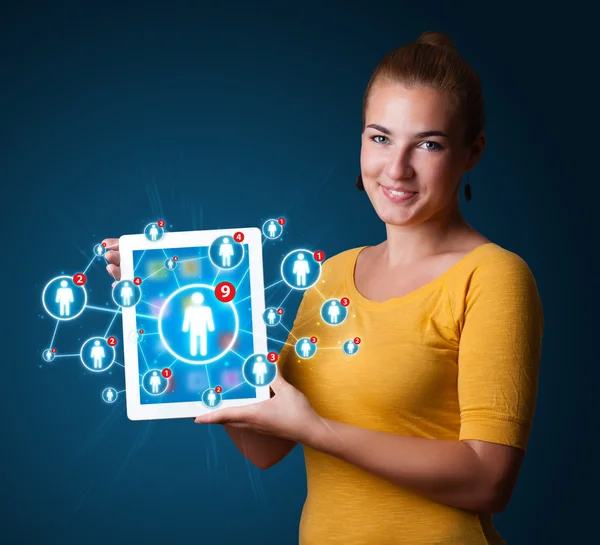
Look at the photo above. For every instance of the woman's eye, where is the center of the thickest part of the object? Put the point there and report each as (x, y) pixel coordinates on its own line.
(378, 141)
(434, 146)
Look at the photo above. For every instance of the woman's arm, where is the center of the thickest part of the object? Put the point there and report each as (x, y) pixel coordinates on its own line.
(262, 450)
(474, 475)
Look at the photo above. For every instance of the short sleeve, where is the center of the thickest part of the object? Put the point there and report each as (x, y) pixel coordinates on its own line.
(499, 352)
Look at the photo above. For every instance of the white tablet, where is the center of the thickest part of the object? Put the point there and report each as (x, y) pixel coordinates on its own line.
(193, 328)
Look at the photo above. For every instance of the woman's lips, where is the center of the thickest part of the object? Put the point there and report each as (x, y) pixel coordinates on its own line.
(398, 198)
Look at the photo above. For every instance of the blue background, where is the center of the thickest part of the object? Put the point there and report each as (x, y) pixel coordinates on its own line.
(114, 115)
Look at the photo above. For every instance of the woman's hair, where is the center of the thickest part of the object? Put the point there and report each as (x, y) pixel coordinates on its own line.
(433, 61)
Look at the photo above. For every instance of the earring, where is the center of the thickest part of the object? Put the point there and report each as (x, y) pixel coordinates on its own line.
(359, 183)
(468, 192)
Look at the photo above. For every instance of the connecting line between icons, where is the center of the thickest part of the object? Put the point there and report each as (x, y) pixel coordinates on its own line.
(324, 298)
(155, 272)
(278, 341)
(144, 356)
(288, 331)
(232, 388)
(241, 357)
(139, 261)
(90, 264)
(54, 334)
(66, 355)
(281, 304)
(148, 303)
(174, 361)
(111, 323)
(207, 375)
(217, 276)
(119, 310)
(274, 284)
(103, 309)
(192, 259)
(242, 279)
(117, 363)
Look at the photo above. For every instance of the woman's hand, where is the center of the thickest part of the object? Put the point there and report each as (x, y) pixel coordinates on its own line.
(287, 414)
(113, 257)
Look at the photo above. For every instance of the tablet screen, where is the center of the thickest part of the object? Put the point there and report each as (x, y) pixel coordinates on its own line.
(184, 332)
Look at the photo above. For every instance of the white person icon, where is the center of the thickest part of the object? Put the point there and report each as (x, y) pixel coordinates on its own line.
(97, 354)
(333, 312)
(300, 270)
(126, 293)
(258, 370)
(272, 228)
(305, 348)
(198, 321)
(154, 231)
(64, 297)
(271, 317)
(211, 398)
(109, 395)
(225, 252)
(154, 382)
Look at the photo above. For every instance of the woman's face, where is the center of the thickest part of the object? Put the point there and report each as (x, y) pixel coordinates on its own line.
(412, 141)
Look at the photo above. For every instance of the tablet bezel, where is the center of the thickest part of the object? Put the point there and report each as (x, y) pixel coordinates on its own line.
(187, 239)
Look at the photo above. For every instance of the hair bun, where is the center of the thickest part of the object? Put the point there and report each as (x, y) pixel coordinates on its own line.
(438, 39)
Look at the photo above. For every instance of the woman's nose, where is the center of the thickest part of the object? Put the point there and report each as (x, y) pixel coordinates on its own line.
(399, 165)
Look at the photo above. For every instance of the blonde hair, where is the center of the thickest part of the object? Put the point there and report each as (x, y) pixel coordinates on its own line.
(433, 61)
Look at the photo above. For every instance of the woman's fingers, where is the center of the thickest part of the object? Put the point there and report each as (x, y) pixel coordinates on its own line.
(114, 257)
(114, 271)
(111, 243)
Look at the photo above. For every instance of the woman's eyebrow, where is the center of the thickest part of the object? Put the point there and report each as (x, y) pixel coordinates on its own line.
(424, 134)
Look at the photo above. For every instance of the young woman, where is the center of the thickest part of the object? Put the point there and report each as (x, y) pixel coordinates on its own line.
(419, 436)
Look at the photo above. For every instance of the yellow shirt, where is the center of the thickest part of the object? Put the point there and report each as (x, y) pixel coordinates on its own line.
(456, 359)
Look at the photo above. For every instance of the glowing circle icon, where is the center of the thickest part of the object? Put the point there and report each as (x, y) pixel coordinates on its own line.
(305, 348)
(299, 269)
(99, 250)
(135, 336)
(259, 371)
(126, 293)
(272, 229)
(154, 383)
(48, 355)
(333, 312)
(97, 355)
(211, 398)
(350, 347)
(271, 316)
(154, 232)
(225, 252)
(109, 395)
(63, 299)
(170, 264)
(192, 321)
